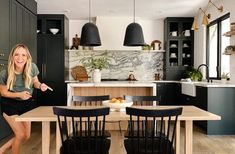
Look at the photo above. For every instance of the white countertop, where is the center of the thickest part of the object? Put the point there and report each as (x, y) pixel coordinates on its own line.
(113, 84)
(215, 84)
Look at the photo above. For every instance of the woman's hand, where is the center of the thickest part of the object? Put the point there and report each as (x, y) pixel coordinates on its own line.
(43, 87)
(24, 95)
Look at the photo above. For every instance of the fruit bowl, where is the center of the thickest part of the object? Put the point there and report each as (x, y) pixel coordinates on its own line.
(54, 30)
(118, 106)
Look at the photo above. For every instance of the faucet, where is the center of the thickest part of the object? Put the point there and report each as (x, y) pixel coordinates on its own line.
(207, 71)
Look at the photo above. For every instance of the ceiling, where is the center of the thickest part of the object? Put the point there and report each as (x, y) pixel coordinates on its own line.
(150, 9)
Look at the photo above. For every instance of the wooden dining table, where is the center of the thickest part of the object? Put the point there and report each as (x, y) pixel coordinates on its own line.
(44, 114)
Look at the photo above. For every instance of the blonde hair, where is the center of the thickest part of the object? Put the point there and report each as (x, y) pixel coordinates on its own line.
(11, 68)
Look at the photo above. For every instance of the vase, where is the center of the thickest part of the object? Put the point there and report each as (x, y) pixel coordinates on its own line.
(96, 76)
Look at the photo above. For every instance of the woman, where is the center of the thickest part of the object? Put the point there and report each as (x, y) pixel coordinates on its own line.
(16, 85)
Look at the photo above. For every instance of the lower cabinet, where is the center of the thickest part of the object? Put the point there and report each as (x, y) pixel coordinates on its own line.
(169, 93)
(220, 101)
(186, 100)
(5, 130)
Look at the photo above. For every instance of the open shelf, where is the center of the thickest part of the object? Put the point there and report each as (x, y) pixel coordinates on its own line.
(229, 53)
(229, 34)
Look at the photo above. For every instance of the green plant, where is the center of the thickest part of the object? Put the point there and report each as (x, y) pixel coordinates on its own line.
(194, 74)
(96, 63)
(225, 76)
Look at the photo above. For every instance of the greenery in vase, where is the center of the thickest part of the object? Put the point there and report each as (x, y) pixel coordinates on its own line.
(194, 74)
(96, 63)
(225, 76)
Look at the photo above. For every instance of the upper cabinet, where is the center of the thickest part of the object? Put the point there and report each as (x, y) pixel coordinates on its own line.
(4, 28)
(24, 25)
(51, 25)
(179, 45)
(17, 25)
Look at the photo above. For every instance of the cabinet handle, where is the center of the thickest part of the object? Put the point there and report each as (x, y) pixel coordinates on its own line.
(2, 54)
(2, 65)
(42, 72)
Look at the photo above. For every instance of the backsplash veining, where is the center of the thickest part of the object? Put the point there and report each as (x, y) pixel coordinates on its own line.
(144, 64)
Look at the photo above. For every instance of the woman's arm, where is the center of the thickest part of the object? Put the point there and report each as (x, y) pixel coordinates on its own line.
(24, 95)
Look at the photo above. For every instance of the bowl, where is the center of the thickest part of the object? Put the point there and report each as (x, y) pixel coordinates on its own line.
(117, 106)
(54, 30)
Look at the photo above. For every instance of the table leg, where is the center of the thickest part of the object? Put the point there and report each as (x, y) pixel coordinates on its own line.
(188, 137)
(58, 139)
(45, 137)
(177, 142)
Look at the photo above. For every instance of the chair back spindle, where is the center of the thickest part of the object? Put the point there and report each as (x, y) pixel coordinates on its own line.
(143, 100)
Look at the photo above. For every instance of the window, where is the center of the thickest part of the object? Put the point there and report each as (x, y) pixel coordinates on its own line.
(216, 43)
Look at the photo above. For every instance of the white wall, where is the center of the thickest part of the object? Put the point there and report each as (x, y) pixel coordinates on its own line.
(112, 31)
(75, 27)
(200, 35)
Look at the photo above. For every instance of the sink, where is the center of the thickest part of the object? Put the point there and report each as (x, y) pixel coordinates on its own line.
(188, 88)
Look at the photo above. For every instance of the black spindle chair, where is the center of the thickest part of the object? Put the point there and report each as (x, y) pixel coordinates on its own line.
(89, 100)
(148, 133)
(91, 139)
(143, 100)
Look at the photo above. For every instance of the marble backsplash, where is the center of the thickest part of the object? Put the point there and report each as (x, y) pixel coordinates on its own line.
(144, 64)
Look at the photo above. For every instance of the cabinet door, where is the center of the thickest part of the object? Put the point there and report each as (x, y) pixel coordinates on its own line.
(201, 97)
(23, 28)
(169, 93)
(4, 128)
(4, 28)
(30, 32)
(17, 11)
(31, 5)
(51, 63)
(3, 65)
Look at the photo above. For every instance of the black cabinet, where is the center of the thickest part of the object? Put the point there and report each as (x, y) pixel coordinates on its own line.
(220, 101)
(179, 45)
(24, 27)
(17, 25)
(4, 28)
(5, 130)
(51, 49)
(186, 100)
(169, 93)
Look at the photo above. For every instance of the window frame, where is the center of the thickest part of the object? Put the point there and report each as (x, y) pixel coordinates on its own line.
(217, 21)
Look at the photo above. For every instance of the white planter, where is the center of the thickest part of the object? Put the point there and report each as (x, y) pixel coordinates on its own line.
(96, 76)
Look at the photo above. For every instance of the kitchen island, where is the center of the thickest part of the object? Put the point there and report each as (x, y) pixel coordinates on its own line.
(111, 88)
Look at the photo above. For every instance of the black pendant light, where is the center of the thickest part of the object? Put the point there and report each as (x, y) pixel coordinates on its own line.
(90, 34)
(134, 34)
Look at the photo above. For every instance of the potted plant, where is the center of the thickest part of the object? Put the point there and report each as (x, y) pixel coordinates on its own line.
(224, 77)
(96, 64)
(194, 74)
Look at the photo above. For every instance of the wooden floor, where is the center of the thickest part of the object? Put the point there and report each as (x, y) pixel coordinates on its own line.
(202, 144)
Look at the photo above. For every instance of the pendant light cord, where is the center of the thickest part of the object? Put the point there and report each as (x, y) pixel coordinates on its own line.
(134, 10)
(89, 10)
